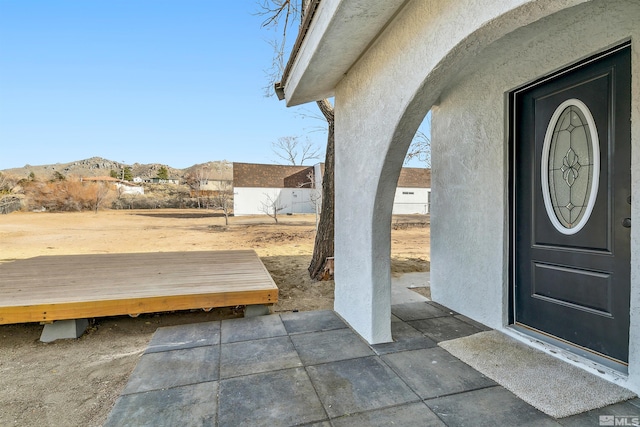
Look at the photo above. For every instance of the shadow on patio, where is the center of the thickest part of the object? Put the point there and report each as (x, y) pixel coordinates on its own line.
(309, 368)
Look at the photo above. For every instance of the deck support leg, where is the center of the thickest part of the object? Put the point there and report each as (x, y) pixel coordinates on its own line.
(256, 310)
(61, 329)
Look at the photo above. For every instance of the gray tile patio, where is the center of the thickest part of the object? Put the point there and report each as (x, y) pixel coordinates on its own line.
(310, 369)
(433, 372)
(491, 407)
(330, 346)
(358, 385)
(406, 338)
(444, 328)
(163, 370)
(255, 356)
(278, 398)
(184, 336)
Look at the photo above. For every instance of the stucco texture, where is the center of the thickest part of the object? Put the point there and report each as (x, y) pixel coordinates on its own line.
(462, 61)
(379, 104)
(471, 169)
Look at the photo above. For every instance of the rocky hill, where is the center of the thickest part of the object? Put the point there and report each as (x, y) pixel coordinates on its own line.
(98, 166)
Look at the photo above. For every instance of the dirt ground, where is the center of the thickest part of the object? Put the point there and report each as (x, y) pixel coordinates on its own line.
(76, 382)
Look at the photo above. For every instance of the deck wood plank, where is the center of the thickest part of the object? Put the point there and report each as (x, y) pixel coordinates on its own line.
(48, 288)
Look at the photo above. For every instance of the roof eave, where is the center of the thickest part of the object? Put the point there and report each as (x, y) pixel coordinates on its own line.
(333, 36)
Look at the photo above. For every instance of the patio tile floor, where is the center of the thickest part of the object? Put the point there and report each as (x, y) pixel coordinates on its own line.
(412, 414)
(270, 399)
(444, 328)
(252, 328)
(490, 407)
(330, 346)
(406, 338)
(311, 321)
(163, 370)
(255, 356)
(434, 372)
(185, 405)
(184, 336)
(412, 311)
(358, 385)
(310, 369)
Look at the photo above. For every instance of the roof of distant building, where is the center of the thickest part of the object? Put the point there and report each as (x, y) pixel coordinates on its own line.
(264, 176)
(415, 178)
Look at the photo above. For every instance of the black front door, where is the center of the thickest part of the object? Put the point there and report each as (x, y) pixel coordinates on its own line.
(571, 204)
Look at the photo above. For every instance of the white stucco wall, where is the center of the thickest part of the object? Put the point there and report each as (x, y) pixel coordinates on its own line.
(249, 200)
(380, 103)
(410, 200)
(470, 166)
(462, 58)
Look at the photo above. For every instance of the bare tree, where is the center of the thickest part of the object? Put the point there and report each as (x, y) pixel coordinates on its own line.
(223, 199)
(420, 149)
(315, 197)
(197, 179)
(119, 196)
(280, 16)
(101, 194)
(316, 201)
(293, 151)
(323, 246)
(271, 206)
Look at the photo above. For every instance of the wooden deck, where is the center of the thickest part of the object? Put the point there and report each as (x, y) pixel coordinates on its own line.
(48, 288)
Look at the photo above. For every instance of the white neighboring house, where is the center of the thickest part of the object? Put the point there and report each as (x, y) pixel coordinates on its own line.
(298, 189)
(122, 186)
(157, 180)
(125, 187)
(258, 185)
(413, 193)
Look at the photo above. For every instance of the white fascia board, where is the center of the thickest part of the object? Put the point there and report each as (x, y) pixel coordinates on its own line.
(338, 35)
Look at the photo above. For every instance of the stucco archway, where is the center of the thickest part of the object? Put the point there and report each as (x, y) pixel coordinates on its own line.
(379, 105)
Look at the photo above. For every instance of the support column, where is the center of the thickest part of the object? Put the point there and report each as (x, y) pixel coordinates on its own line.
(362, 228)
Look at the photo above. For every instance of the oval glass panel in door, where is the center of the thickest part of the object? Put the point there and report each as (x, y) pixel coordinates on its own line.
(570, 167)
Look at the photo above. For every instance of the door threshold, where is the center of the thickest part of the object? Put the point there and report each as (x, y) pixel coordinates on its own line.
(598, 365)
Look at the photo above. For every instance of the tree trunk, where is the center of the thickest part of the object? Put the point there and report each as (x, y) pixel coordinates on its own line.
(323, 246)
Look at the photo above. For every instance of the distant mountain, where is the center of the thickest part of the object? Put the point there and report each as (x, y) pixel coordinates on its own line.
(98, 166)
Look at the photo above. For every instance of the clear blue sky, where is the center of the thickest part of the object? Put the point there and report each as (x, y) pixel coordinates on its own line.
(176, 82)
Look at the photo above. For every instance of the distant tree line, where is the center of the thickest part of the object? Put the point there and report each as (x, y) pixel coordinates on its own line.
(61, 193)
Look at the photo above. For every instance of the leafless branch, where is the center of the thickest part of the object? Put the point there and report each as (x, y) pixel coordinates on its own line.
(293, 152)
(271, 206)
(420, 149)
(279, 16)
(223, 200)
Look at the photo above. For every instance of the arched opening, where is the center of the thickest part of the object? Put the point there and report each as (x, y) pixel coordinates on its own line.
(376, 142)
(410, 222)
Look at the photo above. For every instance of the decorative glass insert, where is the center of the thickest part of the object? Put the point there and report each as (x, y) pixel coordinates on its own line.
(570, 167)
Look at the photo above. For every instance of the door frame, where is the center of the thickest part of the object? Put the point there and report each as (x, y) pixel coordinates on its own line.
(511, 247)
